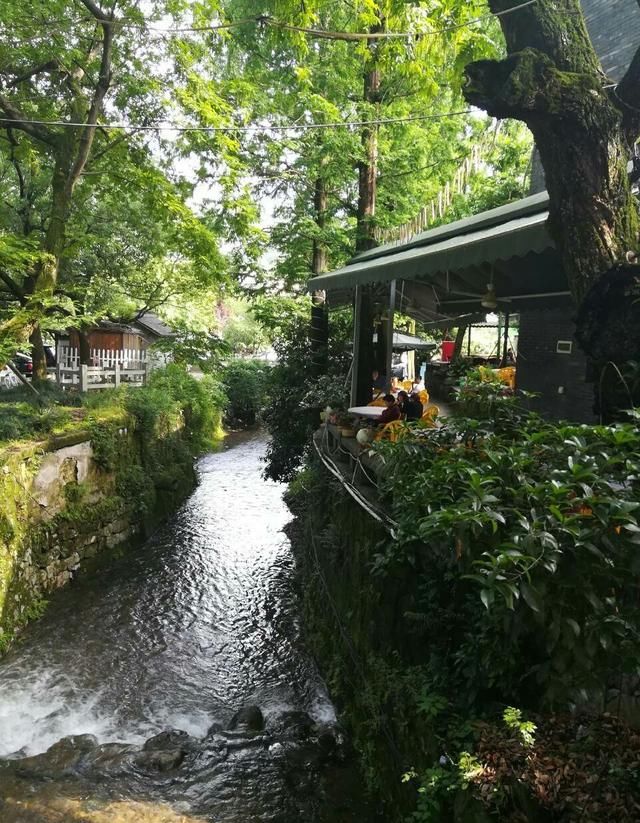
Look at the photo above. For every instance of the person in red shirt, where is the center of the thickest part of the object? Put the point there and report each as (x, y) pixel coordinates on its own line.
(391, 412)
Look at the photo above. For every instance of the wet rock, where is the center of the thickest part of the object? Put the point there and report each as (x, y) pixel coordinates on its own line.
(60, 759)
(162, 761)
(248, 719)
(329, 744)
(214, 729)
(171, 739)
(109, 759)
(295, 724)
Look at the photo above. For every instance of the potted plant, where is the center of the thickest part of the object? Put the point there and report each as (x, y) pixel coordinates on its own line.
(344, 422)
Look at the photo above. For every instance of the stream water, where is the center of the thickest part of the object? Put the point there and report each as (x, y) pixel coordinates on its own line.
(181, 633)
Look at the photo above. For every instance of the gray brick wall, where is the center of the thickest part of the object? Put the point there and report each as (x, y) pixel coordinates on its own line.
(559, 379)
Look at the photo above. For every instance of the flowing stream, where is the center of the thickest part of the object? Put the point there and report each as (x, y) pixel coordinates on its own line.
(181, 633)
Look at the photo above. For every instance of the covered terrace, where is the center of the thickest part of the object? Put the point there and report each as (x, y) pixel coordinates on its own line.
(502, 260)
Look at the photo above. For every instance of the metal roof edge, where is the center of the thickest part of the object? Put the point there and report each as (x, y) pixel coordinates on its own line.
(511, 211)
(364, 271)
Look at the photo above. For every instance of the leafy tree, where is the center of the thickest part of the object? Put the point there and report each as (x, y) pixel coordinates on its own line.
(120, 236)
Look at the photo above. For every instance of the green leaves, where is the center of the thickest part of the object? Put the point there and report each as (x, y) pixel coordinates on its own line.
(539, 526)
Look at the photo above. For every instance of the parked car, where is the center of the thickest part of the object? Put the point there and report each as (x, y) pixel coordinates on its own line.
(23, 363)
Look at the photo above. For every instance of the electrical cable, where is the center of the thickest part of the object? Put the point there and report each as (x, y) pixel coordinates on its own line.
(8, 121)
(266, 20)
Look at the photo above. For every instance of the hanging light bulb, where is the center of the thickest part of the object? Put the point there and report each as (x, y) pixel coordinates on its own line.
(489, 300)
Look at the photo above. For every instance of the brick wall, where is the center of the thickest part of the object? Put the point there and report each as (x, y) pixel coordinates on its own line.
(559, 379)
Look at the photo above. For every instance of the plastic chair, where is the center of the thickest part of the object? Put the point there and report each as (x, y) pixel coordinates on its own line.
(423, 397)
(377, 402)
(508, 375)
(392, 431)
(428, 419)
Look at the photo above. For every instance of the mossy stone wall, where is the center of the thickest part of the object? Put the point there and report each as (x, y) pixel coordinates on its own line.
(356, 623)
(62, 503)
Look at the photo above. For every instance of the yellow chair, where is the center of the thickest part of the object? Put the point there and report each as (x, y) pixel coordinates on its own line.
(423, 397)
(428, 419)
(377, 402)
(392, 431)
(407, 385)
(508, 375)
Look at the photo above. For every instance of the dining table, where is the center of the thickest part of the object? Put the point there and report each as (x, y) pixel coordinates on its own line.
(370, 412)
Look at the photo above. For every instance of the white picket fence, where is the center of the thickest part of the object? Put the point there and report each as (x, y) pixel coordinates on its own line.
(108, 369)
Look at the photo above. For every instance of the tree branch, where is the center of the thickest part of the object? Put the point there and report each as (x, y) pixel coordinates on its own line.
(12, 286)
(44, 68)
(527, 85)
(97, 12)
(102, 86)
(14, 117)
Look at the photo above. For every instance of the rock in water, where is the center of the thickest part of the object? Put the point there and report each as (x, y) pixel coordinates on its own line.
(248, 719)
(61, 758)
(162, 761)
(172, 739)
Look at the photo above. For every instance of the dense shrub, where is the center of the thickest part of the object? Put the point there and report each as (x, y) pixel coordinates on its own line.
(295, 396)
(22, 420)
(172, 399)
(245, 384)
(527, 537)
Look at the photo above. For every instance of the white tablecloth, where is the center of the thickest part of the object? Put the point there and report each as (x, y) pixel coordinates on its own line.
(372, 412)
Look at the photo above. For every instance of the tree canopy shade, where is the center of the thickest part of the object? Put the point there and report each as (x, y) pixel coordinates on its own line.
(100, 226)
(585, 128)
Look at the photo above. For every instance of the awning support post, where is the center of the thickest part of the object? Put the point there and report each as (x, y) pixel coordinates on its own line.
(505, 349)
(389, 333)
(362, 346)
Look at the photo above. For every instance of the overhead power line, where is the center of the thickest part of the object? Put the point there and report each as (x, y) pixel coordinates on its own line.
(322, 34)
(5, 121)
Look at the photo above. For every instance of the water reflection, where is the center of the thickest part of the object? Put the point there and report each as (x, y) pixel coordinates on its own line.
(199, 621)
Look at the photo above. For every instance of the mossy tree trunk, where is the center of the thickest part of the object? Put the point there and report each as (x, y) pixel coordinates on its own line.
(584, 127)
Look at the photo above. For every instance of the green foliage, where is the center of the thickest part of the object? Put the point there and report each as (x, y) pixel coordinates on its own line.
(24, 420)
(295, 397)
(481, 395)
(524, 729)
(173, 398)
(512, 516)
(245, 384)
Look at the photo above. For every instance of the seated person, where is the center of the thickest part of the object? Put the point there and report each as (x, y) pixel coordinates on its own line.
(392, 411)
(379, 380)
(417, 385)
(410, 406)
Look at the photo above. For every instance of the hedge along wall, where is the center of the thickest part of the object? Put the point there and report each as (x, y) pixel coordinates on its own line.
(65, 501)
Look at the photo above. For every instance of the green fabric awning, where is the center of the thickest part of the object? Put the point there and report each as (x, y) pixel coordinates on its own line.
(500, 234)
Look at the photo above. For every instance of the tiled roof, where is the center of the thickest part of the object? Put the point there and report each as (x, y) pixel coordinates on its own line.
(614, 26)
(151, 323)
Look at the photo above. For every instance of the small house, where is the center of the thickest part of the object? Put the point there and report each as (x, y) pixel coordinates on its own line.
(109, 342)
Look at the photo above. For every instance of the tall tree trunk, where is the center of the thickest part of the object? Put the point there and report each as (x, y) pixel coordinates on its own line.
(365, 226)
(457, 347)
(38, 356)
(84, 349)
(552, 80)
(319, 331)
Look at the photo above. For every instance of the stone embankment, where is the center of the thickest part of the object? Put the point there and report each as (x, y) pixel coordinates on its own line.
(65, 502)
